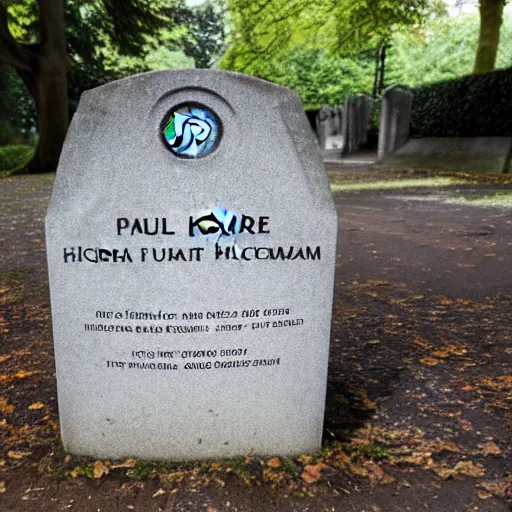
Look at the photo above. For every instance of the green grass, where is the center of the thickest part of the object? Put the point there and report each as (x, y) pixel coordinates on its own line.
(498, 200)
(395, 184)
(14, 157)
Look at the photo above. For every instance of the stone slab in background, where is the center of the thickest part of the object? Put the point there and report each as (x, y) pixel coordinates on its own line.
(186, 345)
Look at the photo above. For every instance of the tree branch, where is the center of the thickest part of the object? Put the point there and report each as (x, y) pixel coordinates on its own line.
(11, 52)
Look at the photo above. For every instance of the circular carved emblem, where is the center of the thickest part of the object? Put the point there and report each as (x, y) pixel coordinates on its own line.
(191, 130)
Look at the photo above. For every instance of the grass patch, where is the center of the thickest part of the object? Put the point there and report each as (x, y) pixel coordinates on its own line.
(498, 200)
(374, 452)
(395, 184)
(13, 158)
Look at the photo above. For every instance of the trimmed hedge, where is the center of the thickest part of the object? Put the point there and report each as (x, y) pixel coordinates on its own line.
(13, 157)
(471, 106)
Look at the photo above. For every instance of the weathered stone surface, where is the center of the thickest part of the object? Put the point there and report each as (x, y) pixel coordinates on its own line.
(184, 345)
(395, 120)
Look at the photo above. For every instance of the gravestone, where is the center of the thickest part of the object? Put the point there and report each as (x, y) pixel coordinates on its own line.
(395, 120)
(329, 128)
(356, 122)
(191, 242)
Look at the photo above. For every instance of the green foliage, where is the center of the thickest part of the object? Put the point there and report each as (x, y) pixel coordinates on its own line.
(204, 37)
(290, 467)
(476, 105)
(374, 451)
(14, 157)
(140, 471)
(302, 48)
(163, 58)
(17, 109)
(319, 78)
(264, 29)
(86, 471)
(110, 39)
(444, 49)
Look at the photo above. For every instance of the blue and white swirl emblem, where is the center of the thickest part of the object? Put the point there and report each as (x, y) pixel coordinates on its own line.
(191, 131)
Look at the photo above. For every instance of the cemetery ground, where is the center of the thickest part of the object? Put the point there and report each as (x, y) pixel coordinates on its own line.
(419, 398)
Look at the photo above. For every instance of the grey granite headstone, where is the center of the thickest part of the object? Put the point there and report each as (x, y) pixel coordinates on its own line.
(191, 291)
(395, 120)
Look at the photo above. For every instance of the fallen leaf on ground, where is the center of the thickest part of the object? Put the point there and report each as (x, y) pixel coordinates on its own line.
(128, 463)
(419, 459)
(466, 425)
(489, 448)
(439, 446)
(342, 459)
(2, 487)
(501, 487)
(36, 405)
(16, 455)
(276, 477)
(507, 379)
(22, 374)
(456, 350)
(469, 468)
(171, 479)
(466, 468)
(4, 358)
(357, 470)
(377, 475)
(484, 495)
(5, 408)
(159, 493)
(429, 361)
(99, 469)
(274, 463)
(312, 472)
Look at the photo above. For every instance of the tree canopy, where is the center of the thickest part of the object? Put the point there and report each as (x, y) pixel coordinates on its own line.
(60, 48)
(440, 47)
(264, 28)
(444, 49)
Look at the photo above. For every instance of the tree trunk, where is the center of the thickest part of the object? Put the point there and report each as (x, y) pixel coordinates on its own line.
(376, 74)
(43, 68)
(51, 94)
(380, 85)
(52, 112)
(491, 16)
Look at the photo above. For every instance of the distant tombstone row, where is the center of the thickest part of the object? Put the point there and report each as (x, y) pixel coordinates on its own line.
(395, 121)
(344, 128)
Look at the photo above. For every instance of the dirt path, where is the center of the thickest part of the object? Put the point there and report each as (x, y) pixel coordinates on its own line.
(419, 398)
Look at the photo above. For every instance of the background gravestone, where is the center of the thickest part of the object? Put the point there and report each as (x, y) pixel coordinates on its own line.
(329, 128)
(191, 243)
(395, 120)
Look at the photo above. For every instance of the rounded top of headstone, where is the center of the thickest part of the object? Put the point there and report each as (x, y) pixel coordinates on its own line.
(199, 78)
